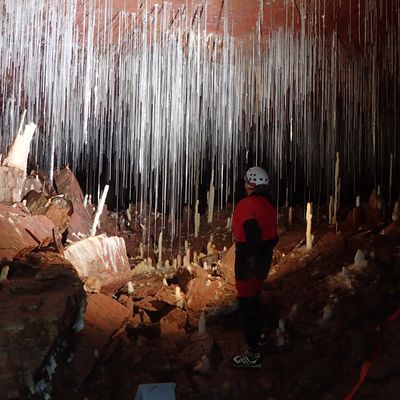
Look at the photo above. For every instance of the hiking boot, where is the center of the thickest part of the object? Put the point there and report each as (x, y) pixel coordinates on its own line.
(247, 360)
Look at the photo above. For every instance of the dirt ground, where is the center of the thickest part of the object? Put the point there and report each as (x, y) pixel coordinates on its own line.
(321, 315)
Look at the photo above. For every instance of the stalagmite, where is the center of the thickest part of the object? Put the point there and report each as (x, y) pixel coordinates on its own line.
(358, 201)
(290, 216)
(196, 220)
(159, 249)
(186, 259)
(282, 325)
(210, 200)
(129, 215)
(141, 250)
(18, 155)
(359, 259)
(378, 198)
(337, 191)
(396, 212)
(130, 287)
(4, 273)
(327, 313)
(99, 211)
(309, 236)
(13, 168)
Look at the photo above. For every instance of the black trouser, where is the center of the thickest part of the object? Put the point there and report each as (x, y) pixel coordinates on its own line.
(252, 315)
(252, 263)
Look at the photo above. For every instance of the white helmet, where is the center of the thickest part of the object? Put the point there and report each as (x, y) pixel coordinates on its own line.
(256, 176)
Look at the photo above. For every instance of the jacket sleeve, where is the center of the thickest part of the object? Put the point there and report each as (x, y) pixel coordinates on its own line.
(252, 231)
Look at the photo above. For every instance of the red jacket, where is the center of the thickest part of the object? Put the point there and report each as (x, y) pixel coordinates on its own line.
(257, 208)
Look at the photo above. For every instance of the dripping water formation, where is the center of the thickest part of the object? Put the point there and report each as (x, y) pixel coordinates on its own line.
(154, 104)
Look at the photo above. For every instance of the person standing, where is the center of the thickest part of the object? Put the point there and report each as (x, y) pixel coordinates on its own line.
(254, 225)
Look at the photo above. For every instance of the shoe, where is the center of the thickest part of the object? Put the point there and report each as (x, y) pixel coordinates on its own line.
(247, 360)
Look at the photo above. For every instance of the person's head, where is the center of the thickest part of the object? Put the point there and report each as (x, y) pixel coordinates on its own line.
(256, 178)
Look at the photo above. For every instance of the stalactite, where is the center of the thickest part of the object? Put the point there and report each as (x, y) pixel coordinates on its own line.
(152, 103)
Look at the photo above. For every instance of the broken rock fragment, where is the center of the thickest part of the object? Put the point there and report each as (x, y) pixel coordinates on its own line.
(20, 233)
(67, 185)
(36, 317)
(57, 209)
(11, 184)
(103, 259)
(104, 317)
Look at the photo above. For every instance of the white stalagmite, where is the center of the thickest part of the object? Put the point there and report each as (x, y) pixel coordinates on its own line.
(309, 237)
(290, 217)
(196, 220)
(4, 273)
(210, 249)
(129, 214)
(18, 154)
(327, 313)
(210, 200)
(396, 212)
(85, 200)
(99, 210)
(186, 259)
(359, 259)
(160, 249)
(337, 189)
(141, 250)
(357, 201)
(179, 298)
(130, 287)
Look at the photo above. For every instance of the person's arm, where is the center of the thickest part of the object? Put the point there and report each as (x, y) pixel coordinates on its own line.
(252, 231)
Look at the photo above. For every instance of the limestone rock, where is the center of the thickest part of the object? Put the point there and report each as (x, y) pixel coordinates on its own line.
(103, 318)
(11, 184)
(174, 322)
(66, 184)
(57, 209)
(80, 223)
(103, 258)
(35, 318)
(20, 233)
